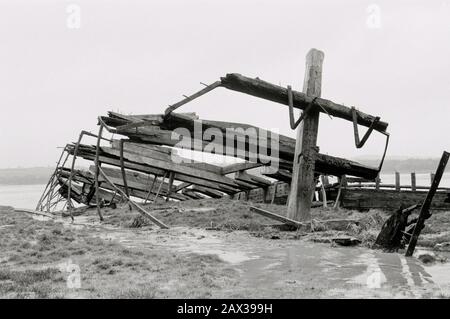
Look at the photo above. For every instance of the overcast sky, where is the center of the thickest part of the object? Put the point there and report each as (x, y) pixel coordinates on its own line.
(139, 56)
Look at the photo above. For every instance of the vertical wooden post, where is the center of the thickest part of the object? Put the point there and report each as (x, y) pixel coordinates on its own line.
(432, 175)
(324, 192)
(169, 192)
(377, 182)
(413, 181)
(302, 185)
(397, 181)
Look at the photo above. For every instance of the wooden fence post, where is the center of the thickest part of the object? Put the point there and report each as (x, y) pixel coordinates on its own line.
(377, 182)
(302, 185)
(413, 181)
(397, 181)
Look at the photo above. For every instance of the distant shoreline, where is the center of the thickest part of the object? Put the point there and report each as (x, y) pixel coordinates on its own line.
(41, 175)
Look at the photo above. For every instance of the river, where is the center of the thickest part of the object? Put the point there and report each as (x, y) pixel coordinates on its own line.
(27, 196)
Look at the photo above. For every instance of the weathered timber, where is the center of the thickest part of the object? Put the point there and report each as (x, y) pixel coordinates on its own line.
(232, 168)
(173, 167)
(277, 217)
(325, 164)
(275, 93)
(88, 153)
(303, 182)
(365, 199)
(193, 194)
(139, 182)
(139, 207)
(252, 179)
(425, 209)
(208, 192)
(392, 232)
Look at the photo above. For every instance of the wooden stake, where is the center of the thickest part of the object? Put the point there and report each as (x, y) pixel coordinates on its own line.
(397, 181)
(171, 176)
(425, 210)
(324, 193)
(302, 186)
(97, 173)
(377, 182)
(413, 181)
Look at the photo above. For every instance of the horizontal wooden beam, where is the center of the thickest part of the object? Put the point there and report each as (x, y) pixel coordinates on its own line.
(275, 93)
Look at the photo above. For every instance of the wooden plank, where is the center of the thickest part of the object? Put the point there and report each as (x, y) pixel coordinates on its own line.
(425, 209)
(193, 97)
(252, 179)
(325, 164)
(365, 199)
(239, 167)
(275, 93)
(302, 185)
(208, 192)
(88, 153)
(139, 208)
(277, 217)
(141, 183)
(170, 166)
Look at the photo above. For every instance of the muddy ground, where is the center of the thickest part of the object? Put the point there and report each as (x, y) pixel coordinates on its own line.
(213, 249)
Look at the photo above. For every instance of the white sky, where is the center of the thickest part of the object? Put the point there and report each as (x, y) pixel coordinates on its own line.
(140, 56)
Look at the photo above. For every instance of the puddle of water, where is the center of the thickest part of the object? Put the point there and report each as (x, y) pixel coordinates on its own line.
(262, 264)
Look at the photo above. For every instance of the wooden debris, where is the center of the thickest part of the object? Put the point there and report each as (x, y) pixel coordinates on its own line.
(277, 217)
(425, 209)
(392, 232)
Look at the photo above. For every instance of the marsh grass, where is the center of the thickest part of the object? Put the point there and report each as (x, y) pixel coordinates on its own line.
(31, 253)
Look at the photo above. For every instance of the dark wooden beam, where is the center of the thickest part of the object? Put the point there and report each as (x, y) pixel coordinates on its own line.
(275, 93)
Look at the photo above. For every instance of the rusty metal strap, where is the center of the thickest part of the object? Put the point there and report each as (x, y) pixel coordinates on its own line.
(294, 124)
(360, 143)
(385, 150)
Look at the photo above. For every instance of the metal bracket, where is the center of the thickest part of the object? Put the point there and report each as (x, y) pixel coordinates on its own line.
(360, 143)
(294, 124)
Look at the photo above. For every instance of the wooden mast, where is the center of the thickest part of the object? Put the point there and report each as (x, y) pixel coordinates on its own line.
(302, 185)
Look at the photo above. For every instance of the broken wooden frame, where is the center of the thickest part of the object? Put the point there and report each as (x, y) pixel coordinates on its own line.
(306, 102)
(425, 209)
(202, 179)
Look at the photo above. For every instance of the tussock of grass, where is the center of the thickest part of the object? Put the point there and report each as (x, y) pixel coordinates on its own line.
(30, 283)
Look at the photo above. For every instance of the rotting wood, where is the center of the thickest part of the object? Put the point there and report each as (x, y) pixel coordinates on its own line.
(302, 184)
(325, 164)
(279, 218)
(425, 209)
(139, 208)
(275, 93)
(392, 232)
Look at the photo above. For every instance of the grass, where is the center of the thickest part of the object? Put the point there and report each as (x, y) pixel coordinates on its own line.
(31, 254)
(231, 215)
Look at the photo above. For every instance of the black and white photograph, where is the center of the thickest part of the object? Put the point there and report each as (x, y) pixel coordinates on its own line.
(224, 155)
